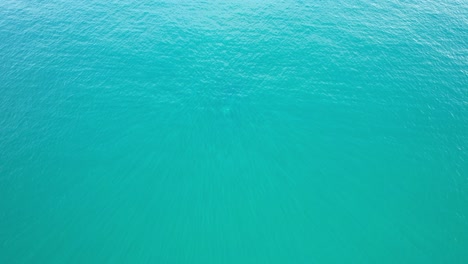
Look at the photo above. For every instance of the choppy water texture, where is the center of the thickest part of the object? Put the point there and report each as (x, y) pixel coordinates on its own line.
(181, 131)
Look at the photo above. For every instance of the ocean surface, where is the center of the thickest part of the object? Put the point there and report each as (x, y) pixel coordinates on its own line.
(242, 131)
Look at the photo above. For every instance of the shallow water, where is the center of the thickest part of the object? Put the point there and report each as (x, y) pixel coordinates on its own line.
(233, 131)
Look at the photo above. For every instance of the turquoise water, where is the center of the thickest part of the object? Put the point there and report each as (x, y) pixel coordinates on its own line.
(181, 131)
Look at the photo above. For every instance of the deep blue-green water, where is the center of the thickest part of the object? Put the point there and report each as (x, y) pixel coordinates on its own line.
(244, 131)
